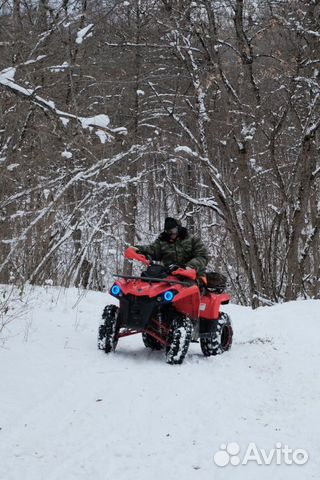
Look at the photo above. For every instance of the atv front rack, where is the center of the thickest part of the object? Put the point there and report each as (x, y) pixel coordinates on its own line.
(155, 280)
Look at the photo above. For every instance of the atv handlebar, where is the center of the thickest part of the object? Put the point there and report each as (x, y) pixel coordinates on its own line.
(132, 254)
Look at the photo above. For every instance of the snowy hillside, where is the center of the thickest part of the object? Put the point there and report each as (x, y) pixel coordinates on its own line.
(68, 411)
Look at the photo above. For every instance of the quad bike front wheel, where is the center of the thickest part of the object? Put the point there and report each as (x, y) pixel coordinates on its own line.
(219, 338)
(109, 329)
(179, 340)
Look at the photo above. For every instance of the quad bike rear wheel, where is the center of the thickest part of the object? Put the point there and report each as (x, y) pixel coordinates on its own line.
(219, 339)
(109, 329)
(179, 338)
(151, 342)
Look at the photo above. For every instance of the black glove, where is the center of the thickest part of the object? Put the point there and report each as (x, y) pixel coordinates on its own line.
(173, 267)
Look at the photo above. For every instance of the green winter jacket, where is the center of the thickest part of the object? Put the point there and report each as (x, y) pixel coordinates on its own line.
(186, 251)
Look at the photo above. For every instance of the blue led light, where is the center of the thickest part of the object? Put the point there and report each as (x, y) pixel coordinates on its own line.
(115, 290)
(168, 296)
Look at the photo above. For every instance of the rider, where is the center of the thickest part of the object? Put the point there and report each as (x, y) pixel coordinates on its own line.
(176, 248)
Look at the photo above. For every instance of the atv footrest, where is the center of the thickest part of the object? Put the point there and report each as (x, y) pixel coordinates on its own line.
(128, 331)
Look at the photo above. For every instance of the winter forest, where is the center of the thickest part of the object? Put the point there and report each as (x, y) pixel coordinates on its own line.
(115, 114)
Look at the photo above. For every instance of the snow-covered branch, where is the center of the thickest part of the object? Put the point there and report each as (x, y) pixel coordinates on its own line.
(100, 121)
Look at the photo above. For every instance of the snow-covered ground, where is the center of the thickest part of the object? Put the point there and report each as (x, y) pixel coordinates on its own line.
(68, 411)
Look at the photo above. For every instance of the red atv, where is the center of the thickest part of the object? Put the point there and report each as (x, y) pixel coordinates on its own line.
(167, 309)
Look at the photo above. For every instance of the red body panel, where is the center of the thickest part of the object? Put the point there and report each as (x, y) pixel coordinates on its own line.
(141, 288)
(210, 305)
(187, 301)
(187, 298)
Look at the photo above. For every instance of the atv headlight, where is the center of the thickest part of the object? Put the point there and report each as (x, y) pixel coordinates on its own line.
(115, 290)
(168, 296)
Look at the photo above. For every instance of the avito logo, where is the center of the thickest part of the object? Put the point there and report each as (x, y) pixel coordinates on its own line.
(229, 453)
